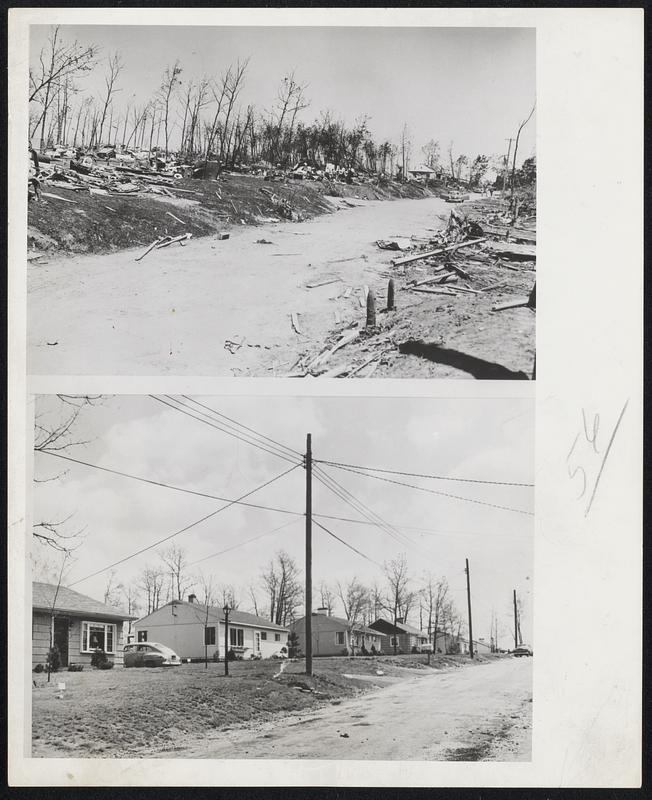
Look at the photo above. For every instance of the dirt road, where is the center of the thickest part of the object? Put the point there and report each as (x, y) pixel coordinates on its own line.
(175, 311)
(475, 713)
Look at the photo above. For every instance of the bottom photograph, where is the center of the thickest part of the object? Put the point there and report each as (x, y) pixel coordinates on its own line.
(237, 577)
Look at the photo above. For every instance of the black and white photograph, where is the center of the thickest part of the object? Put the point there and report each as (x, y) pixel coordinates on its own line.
(282, 201)
(282, 578)
(225, 573)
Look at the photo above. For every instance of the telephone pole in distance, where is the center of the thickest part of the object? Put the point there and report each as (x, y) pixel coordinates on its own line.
(308, 602)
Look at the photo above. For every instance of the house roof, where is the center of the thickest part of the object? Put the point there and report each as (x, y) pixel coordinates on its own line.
(235, 617)
(71, 602)
(423, 168)
(400, 627)
(345, 624)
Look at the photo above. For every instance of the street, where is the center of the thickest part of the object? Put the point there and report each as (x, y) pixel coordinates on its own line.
(473, 713)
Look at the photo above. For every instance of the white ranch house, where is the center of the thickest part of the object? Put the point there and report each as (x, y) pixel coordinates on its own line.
(194, 630)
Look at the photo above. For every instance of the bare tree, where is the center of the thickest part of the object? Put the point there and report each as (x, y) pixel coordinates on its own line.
(406, 148)
(434, 594)
(151, 582)
(518, 136)
(55, 431)
(353, 596)
(327, 597)
(176, 565)
(289, 101)
(168, 87)
(431, 152)
(113, 590)
(226, 594)
(58, 62)
(115, 66)
(399, 597)
(284, 589)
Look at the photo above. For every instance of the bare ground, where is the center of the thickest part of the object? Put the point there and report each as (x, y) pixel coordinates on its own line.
(447, 711)
(224, 307)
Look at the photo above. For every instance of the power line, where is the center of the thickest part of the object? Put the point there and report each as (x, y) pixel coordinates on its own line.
(182, 530)
(258, 506)
(241, 425)
(420, 475)
(346, 544)
(241, 544)
(183, 409)
(442, 494)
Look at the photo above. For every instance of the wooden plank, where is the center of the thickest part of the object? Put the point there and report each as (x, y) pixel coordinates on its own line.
(524, 252)
(467, 289)
(57, 197)
(325, 282)
(427, 253)
(295, 321)
(436, 291)
(435, 279)
(523, 301)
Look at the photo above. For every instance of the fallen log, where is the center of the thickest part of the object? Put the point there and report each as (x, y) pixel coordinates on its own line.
(170, 241)
(435, 291)
(151, 247)
(523, 301)
(397, 262)
(519, 252)
(493, 286)
(57, 197)
(170, 214)
(435, 279)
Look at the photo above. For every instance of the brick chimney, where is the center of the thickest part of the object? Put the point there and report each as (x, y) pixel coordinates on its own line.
(192, 598)
(323, 611)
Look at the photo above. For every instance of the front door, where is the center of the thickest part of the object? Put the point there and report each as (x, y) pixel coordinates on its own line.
(61, 625)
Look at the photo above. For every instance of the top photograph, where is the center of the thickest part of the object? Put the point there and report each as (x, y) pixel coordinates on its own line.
(285, 202)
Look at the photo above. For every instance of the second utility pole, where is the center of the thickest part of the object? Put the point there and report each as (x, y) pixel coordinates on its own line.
(468, 597)
(515, 622)
(308, 603)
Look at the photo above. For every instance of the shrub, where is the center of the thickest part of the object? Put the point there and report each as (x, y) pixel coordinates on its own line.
(53, 662)
(105, 665)
(99, 658)
(75, 667)
(414, 649)
(39, 668)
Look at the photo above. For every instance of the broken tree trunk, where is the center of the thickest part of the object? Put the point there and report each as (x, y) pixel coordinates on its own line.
(371, 310)
(397, 262)
(391, 303)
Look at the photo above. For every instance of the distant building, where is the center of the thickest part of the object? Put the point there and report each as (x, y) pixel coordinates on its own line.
(479, 646)
(76, 624)
(334, 636)
(423, 173)
(194, 630)
(400, 637)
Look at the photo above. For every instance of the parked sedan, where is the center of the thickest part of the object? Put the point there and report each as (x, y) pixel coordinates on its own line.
(150, 654)
(522, 650)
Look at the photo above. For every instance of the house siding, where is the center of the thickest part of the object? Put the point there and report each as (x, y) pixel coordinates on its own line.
(325, 632)
(41, 622)
(181, 627)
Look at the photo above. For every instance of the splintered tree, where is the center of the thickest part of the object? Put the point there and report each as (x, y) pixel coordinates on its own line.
(290, 100)
(167, 89)
(406, 148)
(58, 62)
(284, 589)
(518, 136)
(115, 66)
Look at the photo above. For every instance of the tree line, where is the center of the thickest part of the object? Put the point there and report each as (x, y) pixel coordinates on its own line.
(202, 118)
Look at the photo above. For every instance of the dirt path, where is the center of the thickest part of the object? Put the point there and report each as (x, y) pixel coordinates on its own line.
(476, 713)
(173, 312)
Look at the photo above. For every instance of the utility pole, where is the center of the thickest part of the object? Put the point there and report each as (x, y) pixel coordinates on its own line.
(515, 622)
(308, 602)
(468, 597)
(509, 151)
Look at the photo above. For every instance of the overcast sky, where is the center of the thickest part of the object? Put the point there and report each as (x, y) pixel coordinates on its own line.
(474, 438)
(471, 86)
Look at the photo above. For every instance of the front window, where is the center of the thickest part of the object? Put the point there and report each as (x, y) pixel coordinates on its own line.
(236, 637)
(98, 635)
(263, 636)
(277, 637)
(339, 637)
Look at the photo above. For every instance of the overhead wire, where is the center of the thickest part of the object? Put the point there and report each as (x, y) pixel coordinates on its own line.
(182, 530)
(243, 543)
(346, 544)
(200, 416)
(245, 504)
(442, 494)
(421, 475)
(241, 425)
